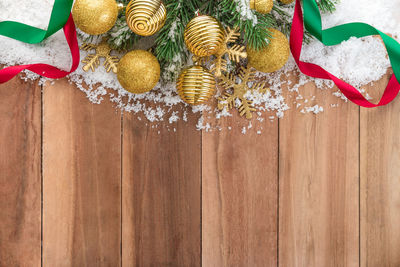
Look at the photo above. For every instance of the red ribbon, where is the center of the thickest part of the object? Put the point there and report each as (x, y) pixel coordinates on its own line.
(296, 41)
(45, 70)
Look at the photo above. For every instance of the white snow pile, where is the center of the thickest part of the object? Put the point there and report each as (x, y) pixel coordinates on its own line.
(357, 61)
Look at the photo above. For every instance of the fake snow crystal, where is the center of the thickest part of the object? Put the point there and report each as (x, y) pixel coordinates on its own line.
(357, 61)
(243, 8)
(315, 109)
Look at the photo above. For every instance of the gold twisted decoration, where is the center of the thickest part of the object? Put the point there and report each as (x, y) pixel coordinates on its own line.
(102, 50)
(204, 36)
(235, 94)
(196, 85)
(235, 53)
(145, 17)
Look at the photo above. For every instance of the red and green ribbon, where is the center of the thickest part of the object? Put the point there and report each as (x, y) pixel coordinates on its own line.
(60, 17)
(334, 36)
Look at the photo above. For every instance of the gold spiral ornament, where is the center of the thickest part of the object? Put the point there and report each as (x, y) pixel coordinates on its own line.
(196, 85)
(146, 17)
(204, 36)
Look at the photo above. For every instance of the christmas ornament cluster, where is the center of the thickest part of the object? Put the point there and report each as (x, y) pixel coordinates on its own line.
(223, 51)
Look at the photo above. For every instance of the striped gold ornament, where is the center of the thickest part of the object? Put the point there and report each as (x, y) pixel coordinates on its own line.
(145, 17)
(196, 85)
(204, 36)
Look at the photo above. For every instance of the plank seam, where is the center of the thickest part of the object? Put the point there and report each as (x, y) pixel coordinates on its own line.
(121, 189)
(278, 195)
(41, 173)
(201, 198)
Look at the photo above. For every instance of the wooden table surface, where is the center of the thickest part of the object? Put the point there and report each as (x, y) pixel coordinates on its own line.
(84, 185)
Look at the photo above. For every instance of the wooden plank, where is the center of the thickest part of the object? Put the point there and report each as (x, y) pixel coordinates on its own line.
(20, 177)
(81, 179)
(319, 184)
(380, 183)
(161, 193)
(240, 195)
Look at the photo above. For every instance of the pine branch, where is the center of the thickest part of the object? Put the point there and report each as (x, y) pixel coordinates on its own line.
(284, 19)
(170, 45)
(253, 25)
(327, 6)
(120, 37)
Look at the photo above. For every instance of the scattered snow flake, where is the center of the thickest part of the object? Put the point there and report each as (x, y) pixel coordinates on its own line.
(314, 109)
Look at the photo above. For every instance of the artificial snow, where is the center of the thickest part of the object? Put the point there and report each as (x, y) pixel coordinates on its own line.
(357, 61)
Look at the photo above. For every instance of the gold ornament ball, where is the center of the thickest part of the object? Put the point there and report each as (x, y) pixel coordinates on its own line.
(145, 17)
(286, 2)
(138, 71)
(204, 36)
(273, 57)
(262, 6)
(196, 85)
(95, 17)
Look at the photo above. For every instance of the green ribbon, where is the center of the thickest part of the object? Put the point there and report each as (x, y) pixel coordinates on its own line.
(338, 34)
(32, 35)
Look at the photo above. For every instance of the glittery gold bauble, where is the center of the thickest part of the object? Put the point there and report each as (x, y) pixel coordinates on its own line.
(204, 36)
(196, 85)
(138, 71)
(262, 6)
(95, 17)
(273, 57)
(286, 2)
(146, 17)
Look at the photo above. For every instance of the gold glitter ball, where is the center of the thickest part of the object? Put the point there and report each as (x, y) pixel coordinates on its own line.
(273, 57)
(146, 17)
(286, 2)
(95, 17)
(196, 85)
(262, 6)
(138, 71)
(204, 36)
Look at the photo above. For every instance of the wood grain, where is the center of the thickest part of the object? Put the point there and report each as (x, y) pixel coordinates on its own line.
(190, 198)
(161, 194)
(20, 177)
(319, 181)
(81, 179)
(240, 195)
(380, 184)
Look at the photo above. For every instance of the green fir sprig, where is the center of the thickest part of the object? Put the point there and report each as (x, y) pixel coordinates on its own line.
(327, 6)
(169, 46)
(253, 25)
